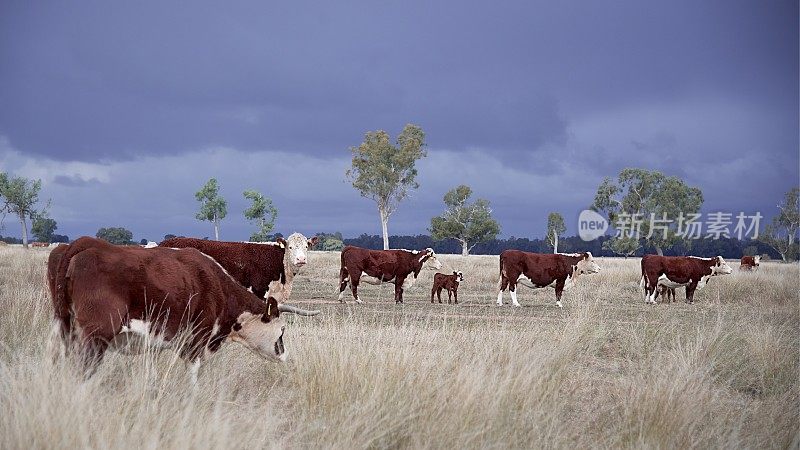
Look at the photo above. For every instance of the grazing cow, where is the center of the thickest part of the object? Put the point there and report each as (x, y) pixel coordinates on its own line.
(126, 298)
(750, 262)
(672, 272)
(400, 267)
(40, 244)
(539, 270)
(449, 282)
(267, 268)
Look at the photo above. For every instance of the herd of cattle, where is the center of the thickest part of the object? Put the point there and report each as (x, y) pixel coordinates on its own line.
(123, 298)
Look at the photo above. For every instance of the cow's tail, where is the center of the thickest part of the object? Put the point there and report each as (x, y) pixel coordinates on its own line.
(500, 278)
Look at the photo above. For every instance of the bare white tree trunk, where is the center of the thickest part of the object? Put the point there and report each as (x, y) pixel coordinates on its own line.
(216, 228)
(555, 242)
(384, 227)
(24, 230)
(464, 248)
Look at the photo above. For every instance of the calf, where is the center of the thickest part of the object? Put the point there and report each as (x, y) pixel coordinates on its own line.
(539, 270)
(750, 262)
(672, 272)
(400, 267)
(266, 268)
(449, 282)
(668, 293)
(124, 297)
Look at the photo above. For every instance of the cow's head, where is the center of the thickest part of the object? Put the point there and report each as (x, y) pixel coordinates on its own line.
(428, 259)
(720, 267)
(459, 276)
(587, 264)
(262, 333)
(757, 260)
(297, 247)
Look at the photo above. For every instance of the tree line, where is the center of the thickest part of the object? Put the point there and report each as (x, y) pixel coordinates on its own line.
(386, 173)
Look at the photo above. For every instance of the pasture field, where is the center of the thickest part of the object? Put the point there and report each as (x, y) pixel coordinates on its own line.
(608, 371)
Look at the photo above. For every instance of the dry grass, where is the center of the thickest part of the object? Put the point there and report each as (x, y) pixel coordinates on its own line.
(608, 371)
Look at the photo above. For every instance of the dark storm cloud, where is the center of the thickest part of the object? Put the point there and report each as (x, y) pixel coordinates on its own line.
(74, 181)
(577, 90)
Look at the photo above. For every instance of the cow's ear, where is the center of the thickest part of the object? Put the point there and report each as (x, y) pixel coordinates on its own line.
(272, 310)
(281, 242)
(313, 241)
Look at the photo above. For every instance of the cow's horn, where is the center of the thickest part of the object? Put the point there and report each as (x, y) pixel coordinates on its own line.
(298, 311)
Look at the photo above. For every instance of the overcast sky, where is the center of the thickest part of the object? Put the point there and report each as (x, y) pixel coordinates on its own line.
(125, 109)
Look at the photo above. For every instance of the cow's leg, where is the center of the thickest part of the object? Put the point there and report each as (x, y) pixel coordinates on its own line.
(343, 277)
(439, 294)
(398, 290)
(651, 281)
(559, 292)
(690, 288)
(354, 287)
(449, 295)
(455, 296)
(433, 292)
(502, 285)
(513, 288)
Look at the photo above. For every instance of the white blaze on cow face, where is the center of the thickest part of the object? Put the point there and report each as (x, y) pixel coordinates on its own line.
(263, 338)
(297, 247)
(757, 260)
(432, 262)
(587, 265)
(721, 267)
(459, 276)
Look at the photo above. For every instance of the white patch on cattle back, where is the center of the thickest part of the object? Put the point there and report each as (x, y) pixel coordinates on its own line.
(413, 252)
(576, 255)
(220, 266)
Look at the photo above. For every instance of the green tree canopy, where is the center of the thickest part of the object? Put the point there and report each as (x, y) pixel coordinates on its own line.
(649, 197)
(19, 196)
(555, 228)
(115, 235)
(386, 173)
(262, 213)
(781, 234)
(468, 223)
(624, 245)
(213, 207)
(43, 227)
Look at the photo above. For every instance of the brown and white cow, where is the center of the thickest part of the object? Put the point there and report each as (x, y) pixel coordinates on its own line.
(267, 268)
(129, 298)
(540, 270)
(750, 262)
(400, 267)
(672, 272)
(449, 282)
